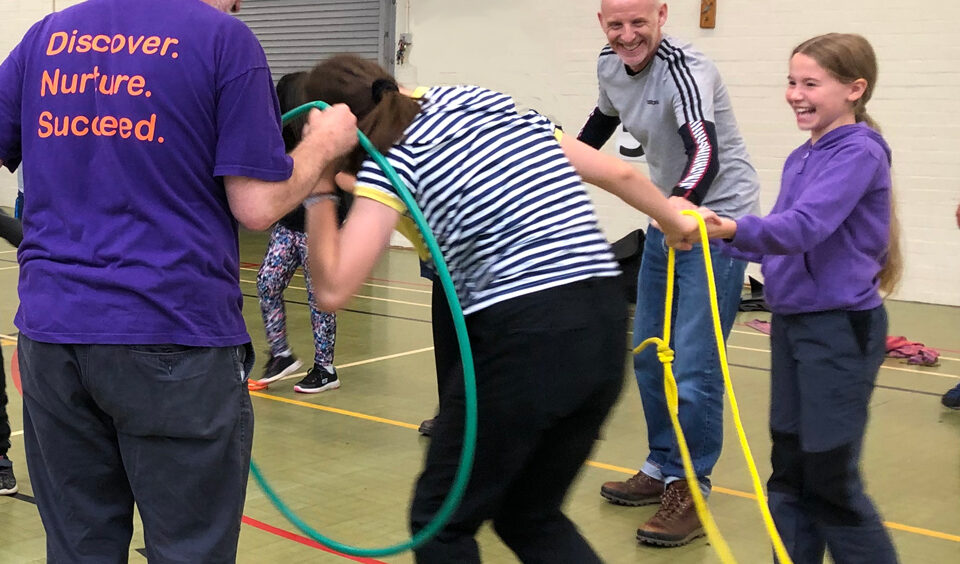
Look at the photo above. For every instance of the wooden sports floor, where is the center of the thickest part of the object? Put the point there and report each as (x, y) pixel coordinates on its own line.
(346, 460)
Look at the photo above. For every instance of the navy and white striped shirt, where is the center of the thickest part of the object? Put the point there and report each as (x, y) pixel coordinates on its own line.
(507, 208)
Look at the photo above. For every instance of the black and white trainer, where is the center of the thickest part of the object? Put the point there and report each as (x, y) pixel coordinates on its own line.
(8, 482)
(279, 366)
(319, 379)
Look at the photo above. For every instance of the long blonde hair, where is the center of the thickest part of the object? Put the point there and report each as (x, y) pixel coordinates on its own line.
(849, 57)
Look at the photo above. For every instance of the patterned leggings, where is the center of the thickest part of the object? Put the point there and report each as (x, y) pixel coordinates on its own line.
(288, 250)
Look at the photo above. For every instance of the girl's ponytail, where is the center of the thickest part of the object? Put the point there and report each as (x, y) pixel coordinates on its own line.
(862, 116)
(893, 265)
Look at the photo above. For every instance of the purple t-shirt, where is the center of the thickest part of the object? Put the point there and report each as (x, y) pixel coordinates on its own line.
(126, 114)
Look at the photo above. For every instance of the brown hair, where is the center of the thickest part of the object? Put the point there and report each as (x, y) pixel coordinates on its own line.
(290, 95)
(383, 113)
(848, 57)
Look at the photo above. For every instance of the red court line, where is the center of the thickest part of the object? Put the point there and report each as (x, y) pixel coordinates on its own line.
(303, 540)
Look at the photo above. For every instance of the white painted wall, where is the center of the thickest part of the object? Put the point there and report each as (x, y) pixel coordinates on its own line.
(16, 17)
(543, 52)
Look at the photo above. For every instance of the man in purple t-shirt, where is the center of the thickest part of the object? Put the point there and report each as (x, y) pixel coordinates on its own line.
(147, 130)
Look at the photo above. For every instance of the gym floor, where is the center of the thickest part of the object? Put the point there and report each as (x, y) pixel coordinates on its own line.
(346, 460)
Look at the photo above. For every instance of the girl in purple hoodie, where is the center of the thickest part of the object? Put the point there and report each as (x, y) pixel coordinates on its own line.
(828, 249)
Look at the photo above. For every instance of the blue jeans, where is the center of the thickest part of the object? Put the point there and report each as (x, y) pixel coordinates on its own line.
(696, 366)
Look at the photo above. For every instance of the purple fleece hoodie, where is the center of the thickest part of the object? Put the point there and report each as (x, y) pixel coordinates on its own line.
(825, 240)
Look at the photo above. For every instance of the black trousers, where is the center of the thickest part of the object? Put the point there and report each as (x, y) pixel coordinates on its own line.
(164, 426)
(549, 368)
(824, 367)
(4, 418)
(446, 349)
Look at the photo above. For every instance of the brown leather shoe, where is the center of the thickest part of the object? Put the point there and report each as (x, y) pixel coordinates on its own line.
(638, 490)
(676, 522)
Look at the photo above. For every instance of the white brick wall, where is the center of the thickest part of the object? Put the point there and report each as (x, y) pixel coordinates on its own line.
(16, 17)
(543, 52)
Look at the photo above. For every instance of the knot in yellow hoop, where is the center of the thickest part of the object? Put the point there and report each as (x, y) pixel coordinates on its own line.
(665, 354)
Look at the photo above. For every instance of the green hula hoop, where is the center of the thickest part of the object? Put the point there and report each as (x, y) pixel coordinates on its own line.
(462, 476)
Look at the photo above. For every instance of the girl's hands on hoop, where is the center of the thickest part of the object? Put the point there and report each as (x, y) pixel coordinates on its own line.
(718, 227)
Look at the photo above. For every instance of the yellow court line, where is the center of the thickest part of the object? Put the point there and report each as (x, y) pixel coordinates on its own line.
(336, 410)
(630, 472)
(359, 363)
(388, 357)
(10, 267)
(747, 495)
(356, 296)
(747, 349)
(372, 285)
(8, 251)
(922, 531)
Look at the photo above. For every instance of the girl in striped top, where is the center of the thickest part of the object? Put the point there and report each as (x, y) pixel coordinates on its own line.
(536, 278)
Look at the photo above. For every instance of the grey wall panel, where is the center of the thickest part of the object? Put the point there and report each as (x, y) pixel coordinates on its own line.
(295, 34)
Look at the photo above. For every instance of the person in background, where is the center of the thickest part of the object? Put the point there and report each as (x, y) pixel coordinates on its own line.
(446, 350)
(18, 205)
(671, 98)
(286, 251)
(133, 351)
(535, 277)
(12, 232)
(951, 398)
(828, 248)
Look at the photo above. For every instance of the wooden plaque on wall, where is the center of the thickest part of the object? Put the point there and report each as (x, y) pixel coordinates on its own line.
(708, 14)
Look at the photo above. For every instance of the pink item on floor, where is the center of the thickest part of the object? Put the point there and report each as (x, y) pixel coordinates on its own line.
(759, 325)
(915, 353)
